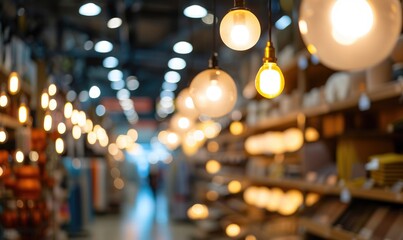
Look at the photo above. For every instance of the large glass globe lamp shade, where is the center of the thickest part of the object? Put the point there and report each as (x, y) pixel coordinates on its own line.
(185, 105)
(214, 92)
(350, 34)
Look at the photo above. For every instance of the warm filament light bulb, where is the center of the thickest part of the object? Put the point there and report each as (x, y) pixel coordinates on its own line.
(3, 135)
(44, 100)
(269, 81)
(47, 122)
(3, 99)
(14, 83)
(213, 91)
(240, 34)
(23, 113)
(68, 110)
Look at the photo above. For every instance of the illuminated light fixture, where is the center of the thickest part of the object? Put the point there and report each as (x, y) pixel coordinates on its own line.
(250, 195)
(133, 134)
(208, 19)
(14, 83)
(103, 46)
(211, 129)
(212, 195)
(100, 110)
(185, 105)
(283, 22)
(213, 166)
(68, 110)
(75, 117)
(19, 156)
(52, 89)
(114, 22)
(276, 197)
(33, 156)
(115, 75)
(117, 85)
(195, 11)
(47, 122)
(198, 212)
(23, 113)
(213, 91)
(71, 95)
(110, 62)
(180, 123)
(113, 149)
(240, 29)
(76, 132)
(83, 96)
(236, 128)
(88, 45)
(59, 145)
(89, 125)
(82, 119)
(176, 63)
(3, 135)
(44, 100)
(172, 77)
(89, 10)
(132, 83)
(357, 27)
(92, 138)
(61, 128)
(94, 92)
(123, 94)
(166, 86)
(183, 47)
(52, 104)
(233, 230)
(234, 186)
(269, 81)
(4, 99)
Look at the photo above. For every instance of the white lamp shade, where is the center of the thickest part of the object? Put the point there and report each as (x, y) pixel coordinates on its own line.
(350, 34)
(214, 92)
(240, 29)
(185, 105)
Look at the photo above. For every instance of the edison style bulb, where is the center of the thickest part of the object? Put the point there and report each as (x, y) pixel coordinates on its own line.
(44, 100)
(23, 113)
(14, 83)
(269, 80)
(185, 105)
(47, 122)
(240, 29)
(214, 92)
(180, 123)
(4, 99)
(350, 34)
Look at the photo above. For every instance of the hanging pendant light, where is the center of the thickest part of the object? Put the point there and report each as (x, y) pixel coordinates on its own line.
(269, 81)
(23, 111)
(4, 99)
(14, 83)
(240, 29)
(44, 100)
(213, 91)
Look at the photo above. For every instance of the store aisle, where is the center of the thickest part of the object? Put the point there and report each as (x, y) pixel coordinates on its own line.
(143, 217)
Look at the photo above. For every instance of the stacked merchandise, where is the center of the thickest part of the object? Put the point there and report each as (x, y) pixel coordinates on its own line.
(387, 169)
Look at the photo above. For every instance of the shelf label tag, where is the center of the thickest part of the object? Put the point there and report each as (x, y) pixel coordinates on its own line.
(345, 195)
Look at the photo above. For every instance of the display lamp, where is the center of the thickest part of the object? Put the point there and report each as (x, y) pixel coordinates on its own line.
(269, 81)
(14, 83)
(350, 34)
(240, 28)
(213, 91)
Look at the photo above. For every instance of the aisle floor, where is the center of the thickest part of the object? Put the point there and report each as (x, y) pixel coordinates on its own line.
(143, 217)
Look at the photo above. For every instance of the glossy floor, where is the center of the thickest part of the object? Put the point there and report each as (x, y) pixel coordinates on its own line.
(143, 217)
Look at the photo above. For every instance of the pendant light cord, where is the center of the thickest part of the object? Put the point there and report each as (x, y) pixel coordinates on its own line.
(270, 21)
(213, 63)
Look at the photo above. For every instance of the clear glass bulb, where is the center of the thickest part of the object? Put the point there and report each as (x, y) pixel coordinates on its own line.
(4, 100)
(68, 110)
(269, 80)
(240, 29)
(23, 113)
(185, 105)
(59, 145)
(3, 135)
(44, 100)
(214, 92)
(180, 123)
(14, 83)
(47, 122)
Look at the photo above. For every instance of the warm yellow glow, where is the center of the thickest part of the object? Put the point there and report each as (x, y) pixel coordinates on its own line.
(89, 125)
(1, 171)
(76, 132)
(173, 140)
(119, 183)
(276, 195)
(293, 139)
(82, 119)
(121, 141)
(14, 83)
(75, 116)
(34, 156)
(185, 105)
(269, 81)
(250, 195)
(213, 146)
(213, 166)
(162, 136)
(263, 197)
(290, 203)
(311, 134)
(113, 149)
(236, 128)
(240, 29)
(23, 113)
(61, 128)
(92, 138)
(211, 129)
(120, 157)
(19, 156)
(52, 89)
(311, 199)
(52, 104)
(133, 134)
(212, 195)
(198, 212)
(250, 237)
(233, 230)
(47, 122)
(180, 123)
(44, 100)
(351, 20)
(234, 186)
(59, 145)
(68, 110)
(3, 135)
(4, 100)
(104, 141)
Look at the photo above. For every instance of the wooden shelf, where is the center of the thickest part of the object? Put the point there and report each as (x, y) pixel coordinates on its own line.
(325, 231)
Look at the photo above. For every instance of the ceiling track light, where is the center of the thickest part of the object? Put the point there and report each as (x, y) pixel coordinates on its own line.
(240, 28)
(269, 81)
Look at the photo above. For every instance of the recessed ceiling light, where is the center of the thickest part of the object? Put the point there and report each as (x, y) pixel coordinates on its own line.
(110, 62)
(114, 22)
(103, 46)
(172, 77)
(132, 83)
(195, 11)
(89, 9)
(117, 85)
(183, 47)
(176, 64)
(100, 110)
(115, 75)
(94, 92)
